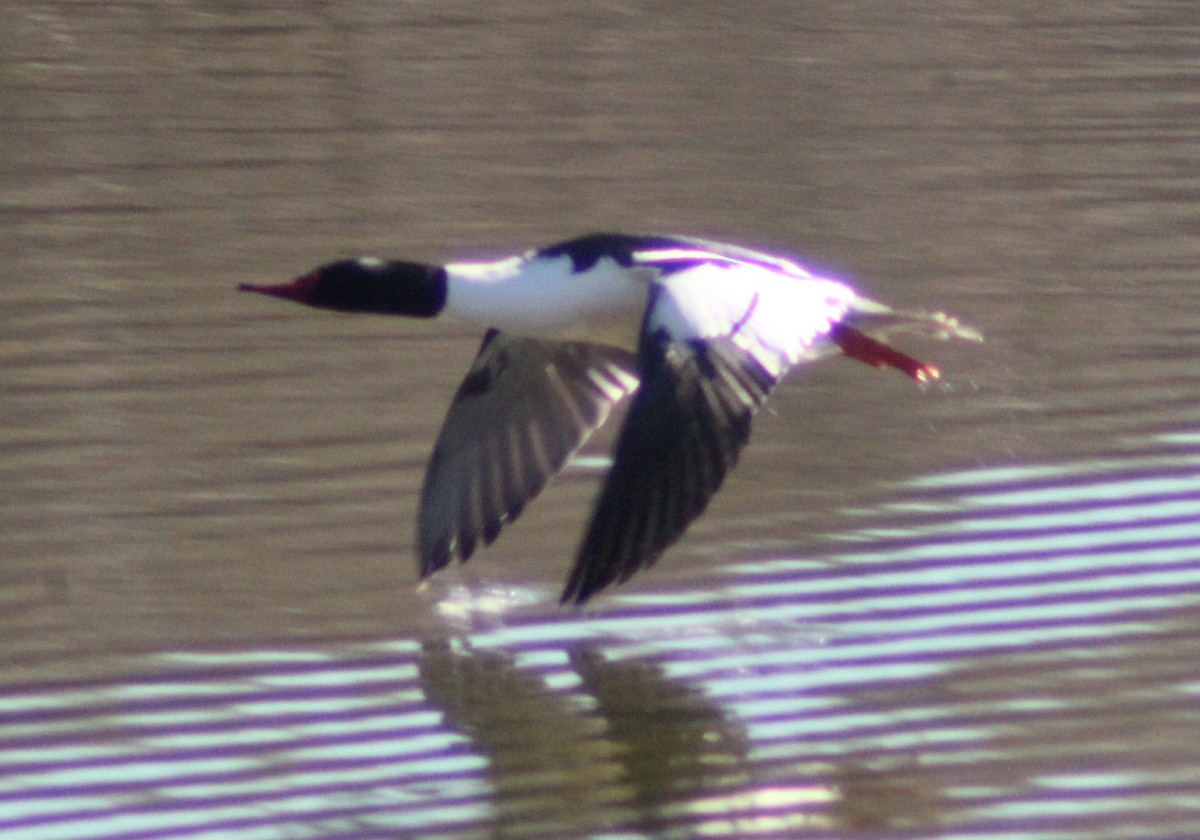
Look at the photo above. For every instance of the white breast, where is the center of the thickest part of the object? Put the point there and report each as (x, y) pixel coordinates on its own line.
(546, 297)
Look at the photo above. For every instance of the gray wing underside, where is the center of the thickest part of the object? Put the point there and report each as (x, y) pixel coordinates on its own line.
(524, 407)
(687, 425)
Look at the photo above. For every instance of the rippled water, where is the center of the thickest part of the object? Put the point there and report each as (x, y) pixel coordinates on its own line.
(969, 611)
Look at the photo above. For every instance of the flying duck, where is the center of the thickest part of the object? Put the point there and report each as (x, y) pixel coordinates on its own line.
(698, 332)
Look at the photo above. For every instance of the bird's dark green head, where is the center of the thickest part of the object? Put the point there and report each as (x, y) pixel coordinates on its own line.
(366, 285)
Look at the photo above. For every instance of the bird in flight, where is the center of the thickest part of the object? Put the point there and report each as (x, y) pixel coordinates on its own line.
(698, 332)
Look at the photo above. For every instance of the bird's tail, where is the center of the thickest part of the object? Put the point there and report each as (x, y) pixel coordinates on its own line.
(881, 321)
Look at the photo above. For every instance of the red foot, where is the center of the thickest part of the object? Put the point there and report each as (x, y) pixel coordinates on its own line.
(858, 345)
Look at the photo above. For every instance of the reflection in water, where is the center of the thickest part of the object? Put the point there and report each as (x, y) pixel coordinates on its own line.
(637, 752)
(921, 681)
(545, 765)
(677, 746)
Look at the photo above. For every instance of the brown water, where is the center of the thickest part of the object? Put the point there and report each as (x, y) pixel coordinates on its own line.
(969, 611)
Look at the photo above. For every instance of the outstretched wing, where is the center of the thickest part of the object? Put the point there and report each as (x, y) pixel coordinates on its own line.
(524, 407)
(715, 340)
(685, 429)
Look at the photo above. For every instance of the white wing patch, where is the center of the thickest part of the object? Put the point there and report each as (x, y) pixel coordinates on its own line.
(776, 318)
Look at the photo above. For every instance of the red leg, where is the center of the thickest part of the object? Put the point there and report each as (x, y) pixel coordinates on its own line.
(858, 345)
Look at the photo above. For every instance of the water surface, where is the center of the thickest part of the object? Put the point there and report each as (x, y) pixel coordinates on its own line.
(966, 611)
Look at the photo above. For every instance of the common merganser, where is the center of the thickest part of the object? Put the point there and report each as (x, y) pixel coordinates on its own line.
(719, 326)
